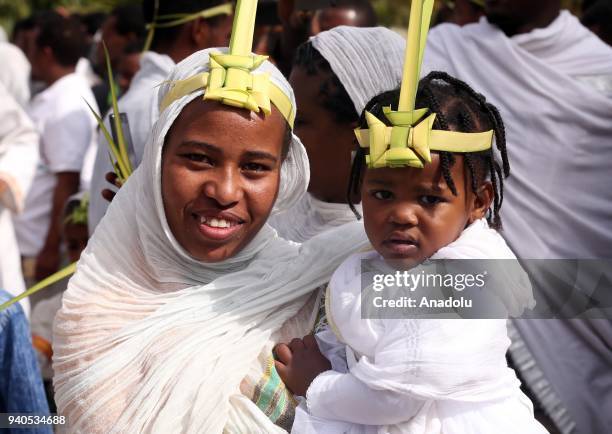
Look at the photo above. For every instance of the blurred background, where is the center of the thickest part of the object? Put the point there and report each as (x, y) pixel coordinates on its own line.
(391, 13)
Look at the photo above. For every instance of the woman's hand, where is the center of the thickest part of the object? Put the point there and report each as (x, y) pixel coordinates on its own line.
(299, 363)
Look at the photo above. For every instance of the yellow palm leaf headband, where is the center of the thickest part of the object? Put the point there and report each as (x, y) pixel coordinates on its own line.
(171, 20)
(411, 137)
(231, 80)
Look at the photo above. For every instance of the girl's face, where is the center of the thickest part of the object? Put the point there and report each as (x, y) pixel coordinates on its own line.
(410, 213)
(220, 176)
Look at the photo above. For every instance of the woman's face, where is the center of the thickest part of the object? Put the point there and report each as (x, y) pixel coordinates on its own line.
(328, 142)
(220, 176)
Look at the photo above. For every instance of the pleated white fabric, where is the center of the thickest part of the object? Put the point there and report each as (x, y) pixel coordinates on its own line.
(151, 340)
(368, 61)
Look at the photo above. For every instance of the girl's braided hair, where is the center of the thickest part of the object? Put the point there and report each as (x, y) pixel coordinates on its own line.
(458, 108)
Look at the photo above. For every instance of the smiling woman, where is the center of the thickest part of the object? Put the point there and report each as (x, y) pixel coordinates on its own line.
(218, 197)
(169, 322)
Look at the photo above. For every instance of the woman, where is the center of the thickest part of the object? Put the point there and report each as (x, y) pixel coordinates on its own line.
(169, 322)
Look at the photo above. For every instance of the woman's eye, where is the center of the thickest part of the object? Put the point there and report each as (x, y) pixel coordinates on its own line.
(382, 194)
(255, 167)
(198, 158)
(430, 200)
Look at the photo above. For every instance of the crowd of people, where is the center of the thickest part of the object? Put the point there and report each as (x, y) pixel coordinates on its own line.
(217, 289)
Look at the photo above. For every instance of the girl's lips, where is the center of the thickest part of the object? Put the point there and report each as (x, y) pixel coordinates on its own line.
(401, 248)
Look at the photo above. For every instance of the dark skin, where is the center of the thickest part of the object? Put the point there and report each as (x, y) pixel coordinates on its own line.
(299, 363)
(128, 67)
(328, 142)
(220, 176)
(409, 214)
(75, 240)
(514, 17)
(115, 43)
(326, 19)
(48, 259)
(464, 12)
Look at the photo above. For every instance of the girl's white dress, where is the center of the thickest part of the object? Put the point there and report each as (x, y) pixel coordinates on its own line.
(417, 375)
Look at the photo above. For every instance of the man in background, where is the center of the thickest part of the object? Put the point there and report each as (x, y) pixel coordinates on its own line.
(124, 26)
(169, 46)
(66, 128)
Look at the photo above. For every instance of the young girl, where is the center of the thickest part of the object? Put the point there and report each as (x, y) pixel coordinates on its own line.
(416, 375)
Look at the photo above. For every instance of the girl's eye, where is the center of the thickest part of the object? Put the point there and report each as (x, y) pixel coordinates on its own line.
(382, 194)
(430, 200)
(255, 167)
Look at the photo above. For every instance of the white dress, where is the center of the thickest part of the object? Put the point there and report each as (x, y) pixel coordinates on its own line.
(414, 376)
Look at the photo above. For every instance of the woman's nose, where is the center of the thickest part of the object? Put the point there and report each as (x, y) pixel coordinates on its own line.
(404, 214)
(224, 187)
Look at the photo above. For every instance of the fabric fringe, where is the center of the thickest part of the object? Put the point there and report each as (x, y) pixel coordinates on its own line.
(537, 383)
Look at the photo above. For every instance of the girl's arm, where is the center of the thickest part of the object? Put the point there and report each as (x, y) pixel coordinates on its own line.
(343, 397)
(339, 396)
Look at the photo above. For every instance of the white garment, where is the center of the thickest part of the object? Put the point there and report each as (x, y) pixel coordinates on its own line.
(151, 340)
(349, 53)
(310, 217)
(367, 61)
(142, 111)
(558, 200)
(15, 72)
(18, 158)
(66, 127)
(418, 376)
(84, 68)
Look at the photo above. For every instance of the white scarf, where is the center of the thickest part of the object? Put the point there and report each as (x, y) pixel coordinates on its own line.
(310, 217)
(151, 340)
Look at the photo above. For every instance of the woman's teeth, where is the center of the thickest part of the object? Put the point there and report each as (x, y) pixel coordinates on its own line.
(216, 223)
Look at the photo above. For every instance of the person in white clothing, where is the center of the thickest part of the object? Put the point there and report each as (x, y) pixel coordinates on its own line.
(550, 77)
(169, 46)
(417, 376)
(15, 73)
(18, 158)
(334, 76)
(66, 128)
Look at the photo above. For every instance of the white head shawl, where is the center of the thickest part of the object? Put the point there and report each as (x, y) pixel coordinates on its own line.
(368, 62)
(151, 340)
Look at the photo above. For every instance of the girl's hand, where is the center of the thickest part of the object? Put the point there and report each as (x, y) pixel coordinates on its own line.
(299, 363)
